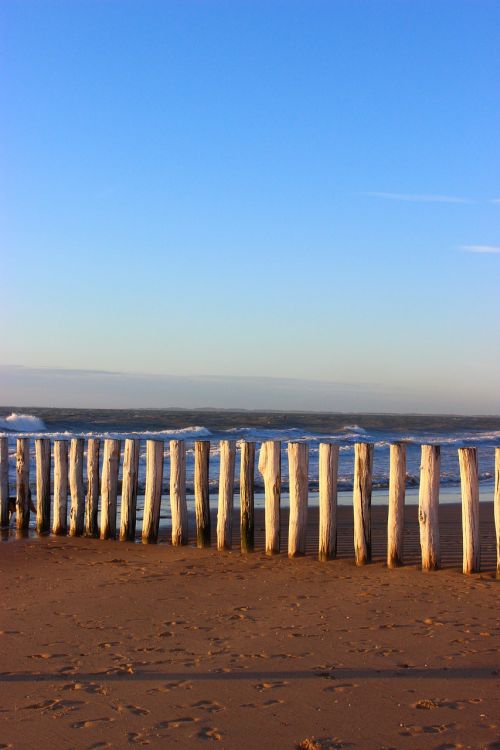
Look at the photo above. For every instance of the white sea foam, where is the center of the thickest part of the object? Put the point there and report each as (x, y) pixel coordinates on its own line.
(22, 423)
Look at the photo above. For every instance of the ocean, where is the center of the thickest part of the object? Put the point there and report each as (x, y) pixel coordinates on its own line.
(450, 432)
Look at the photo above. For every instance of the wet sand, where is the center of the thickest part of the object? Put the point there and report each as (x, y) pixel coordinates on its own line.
(113, 645)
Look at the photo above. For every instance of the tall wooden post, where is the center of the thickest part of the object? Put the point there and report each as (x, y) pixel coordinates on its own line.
(77, 509)
(298, 470)
(497, 506)
(247, 471)
(130, 480)
(93, 488)
(396, 513)
(109, 488)
(362, 502)
(201, 492)
(428, 506)
(4, 482)
(60, 515)
(42, 454)
(178, 504)
(470, 509)
(23, 484)
(226, 494)
(270, 468)
(328, 473)
(152, 497)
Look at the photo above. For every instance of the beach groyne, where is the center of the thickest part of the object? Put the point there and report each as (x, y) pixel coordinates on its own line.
(78, 488)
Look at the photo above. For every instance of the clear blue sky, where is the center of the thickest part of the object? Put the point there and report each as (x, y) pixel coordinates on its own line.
(304, 190)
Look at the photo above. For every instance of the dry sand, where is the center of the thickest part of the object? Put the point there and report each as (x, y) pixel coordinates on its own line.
(111, 645)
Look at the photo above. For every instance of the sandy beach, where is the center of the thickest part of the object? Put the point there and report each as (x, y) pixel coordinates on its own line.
(108, 644)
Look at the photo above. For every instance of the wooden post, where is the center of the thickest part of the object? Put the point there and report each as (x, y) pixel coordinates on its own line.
(23, 484)
(247, 472)
(470, 509)
(77, 491)
(60, 516)
(4, 482)
(129, 490)
(270, 468)
(201, 492)
(152, 497)
(42, 453)
(428, 506)
(396, 512)
(178, 505)
(92, 497)
(362, 502)
(298, 470)
(226, 494)
(497, 506)
(328, 472)
(109, 488)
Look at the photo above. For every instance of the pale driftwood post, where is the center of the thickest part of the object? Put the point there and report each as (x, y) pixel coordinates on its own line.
(23, 484)
(201, 492)
(92, 497)
(362, 502)
(42, 454)
(298, 470)
(76, 488)
(428, 506)
(470, 509)
(247, 472)
(328, 472)
(60, 515)
(396, 513)
(4, 482)
(226, 494)
(497, 506)
(152, 497)
(270, 468)
(109, 488)
(178, 504)
(129, 490)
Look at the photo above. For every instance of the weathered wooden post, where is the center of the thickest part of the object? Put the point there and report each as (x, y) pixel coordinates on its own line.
(298, 470)
(497, 506)
(152, 496)
(362, 502)
(178, 504)
(109, 487)
(76, 488)
(328, 473)
(42, 454)
(247, 471)
(469, 480)
(130, 478)
(60, 515)
(270, 468)
(23, 484)
(93, 484)
(396, 512)
(226, 494)
(4, 482)
(201, 492)
(428, 506)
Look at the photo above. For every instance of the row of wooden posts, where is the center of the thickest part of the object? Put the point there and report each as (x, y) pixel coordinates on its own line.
(84, 505)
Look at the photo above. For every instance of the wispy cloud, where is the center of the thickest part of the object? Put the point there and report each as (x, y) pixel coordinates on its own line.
(488, 249)
(418, 198)
(495, 200)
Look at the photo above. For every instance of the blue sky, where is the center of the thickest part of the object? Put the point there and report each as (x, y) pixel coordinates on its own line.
(302, 191)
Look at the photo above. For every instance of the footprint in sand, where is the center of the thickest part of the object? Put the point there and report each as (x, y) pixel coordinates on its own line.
(90, 723)
(343, 688)
(176, 723)
(270, 685)
(413, 729)
(210, 733)
(211, 707)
